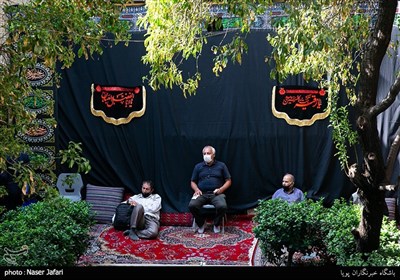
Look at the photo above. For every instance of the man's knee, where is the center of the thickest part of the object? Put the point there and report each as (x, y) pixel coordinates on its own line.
(221, 205)
(194, 205)
(222, 208)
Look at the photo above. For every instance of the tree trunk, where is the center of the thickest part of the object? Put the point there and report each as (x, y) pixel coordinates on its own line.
(367, 234)
(290, 257)
(370, 176)
(392, 156)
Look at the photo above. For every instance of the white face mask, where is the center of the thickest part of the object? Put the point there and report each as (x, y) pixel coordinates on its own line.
(207, 158)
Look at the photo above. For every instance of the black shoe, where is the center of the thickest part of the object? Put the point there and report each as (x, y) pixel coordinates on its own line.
(126, 232)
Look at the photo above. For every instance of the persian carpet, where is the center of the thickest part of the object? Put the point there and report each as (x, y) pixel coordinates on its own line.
(175, 245)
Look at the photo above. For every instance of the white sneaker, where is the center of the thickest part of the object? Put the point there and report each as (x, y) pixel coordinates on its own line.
(217, 229)
(201, 229)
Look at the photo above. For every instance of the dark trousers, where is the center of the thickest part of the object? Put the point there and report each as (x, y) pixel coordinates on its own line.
(218, 201)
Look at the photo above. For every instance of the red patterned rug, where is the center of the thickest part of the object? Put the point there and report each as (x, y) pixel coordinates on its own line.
(175, 245)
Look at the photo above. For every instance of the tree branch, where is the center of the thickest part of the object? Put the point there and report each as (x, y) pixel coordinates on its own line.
(388, 100)
(391, 158)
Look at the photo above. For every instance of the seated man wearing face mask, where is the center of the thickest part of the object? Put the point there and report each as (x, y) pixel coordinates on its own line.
(288, 191)
(210, 179)
(145, 217)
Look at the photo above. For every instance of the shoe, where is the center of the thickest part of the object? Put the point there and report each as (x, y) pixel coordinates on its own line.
(217, 229)
(201, 229)
(133, 235)
(126, 232)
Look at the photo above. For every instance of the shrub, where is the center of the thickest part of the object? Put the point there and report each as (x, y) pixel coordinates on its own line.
(48, 233)
(291, 227)
(317, 235)
(337, 225)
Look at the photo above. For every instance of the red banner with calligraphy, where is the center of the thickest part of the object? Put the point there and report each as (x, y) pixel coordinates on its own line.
(300, 105)
(118, 105)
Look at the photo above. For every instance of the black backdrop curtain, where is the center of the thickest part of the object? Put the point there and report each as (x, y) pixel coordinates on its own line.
(231, 112)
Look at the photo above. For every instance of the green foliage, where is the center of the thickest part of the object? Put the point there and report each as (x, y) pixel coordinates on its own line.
(3, 192)
(386, 255)
(389, 251)
(338, 222)
(322, 40)
(232, 50)
(293, 225)
(175, 33)
(49, 233)
(309, 225)
(70, 179)
(73, 157)
(49, 32)
(342, 134)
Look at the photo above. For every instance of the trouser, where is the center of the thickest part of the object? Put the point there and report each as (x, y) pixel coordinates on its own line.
(145, 226)
(151, 228)
(218, 201)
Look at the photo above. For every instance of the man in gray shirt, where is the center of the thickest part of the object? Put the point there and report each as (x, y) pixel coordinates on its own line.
(288, 191)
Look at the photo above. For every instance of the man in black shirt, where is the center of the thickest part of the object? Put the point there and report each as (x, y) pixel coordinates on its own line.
(210, 179)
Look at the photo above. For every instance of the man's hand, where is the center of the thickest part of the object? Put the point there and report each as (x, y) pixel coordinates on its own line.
(132, 202)
(198, 192)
